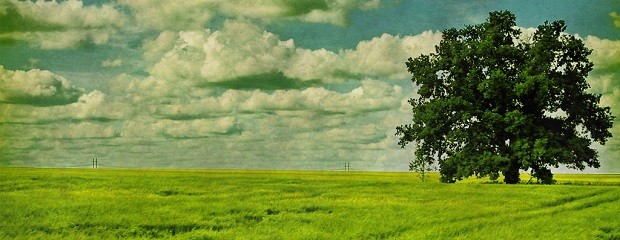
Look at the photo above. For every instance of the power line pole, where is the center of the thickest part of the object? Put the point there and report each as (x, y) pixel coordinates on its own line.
(95, 162)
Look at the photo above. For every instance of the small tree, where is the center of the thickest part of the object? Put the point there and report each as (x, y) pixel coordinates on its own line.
(421, 167)
(492, 101)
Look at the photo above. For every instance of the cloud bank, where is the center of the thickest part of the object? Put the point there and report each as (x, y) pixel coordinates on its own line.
(36, 87)
(241, 49)
(196, 14)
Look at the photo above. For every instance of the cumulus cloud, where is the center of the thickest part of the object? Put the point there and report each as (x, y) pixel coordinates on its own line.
(57, 25)
(611, 150)
(333, 12)
(95, 106)
(616, 18)
(36, 87)
(71, 14)
(243, 50)
(90, 107)
(370, 96)
(196, 14)
(239, 49)
(174, 15)
(605, 52)
(604, 80)
(183, 61)
(306, 130)
(156, 48)
(197, 128)
(385, 56)
(142, 88)
(603, 83)
(63, 39)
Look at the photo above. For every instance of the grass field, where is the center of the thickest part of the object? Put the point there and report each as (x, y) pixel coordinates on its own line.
(204, 204)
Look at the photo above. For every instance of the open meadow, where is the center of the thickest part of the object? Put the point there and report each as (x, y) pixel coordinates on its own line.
(222, 204)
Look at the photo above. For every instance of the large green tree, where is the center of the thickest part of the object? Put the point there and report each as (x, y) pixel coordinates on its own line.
(492, 100)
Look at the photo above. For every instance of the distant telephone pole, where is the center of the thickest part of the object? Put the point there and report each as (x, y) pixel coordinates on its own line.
(347, 167)
(95, 162)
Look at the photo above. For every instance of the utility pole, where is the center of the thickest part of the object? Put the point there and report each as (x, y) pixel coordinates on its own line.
(347, 167)
(95, 162)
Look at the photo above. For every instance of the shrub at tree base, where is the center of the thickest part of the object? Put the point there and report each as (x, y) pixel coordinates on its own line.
(492, 100)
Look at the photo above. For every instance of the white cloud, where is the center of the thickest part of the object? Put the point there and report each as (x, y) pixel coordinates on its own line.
(603, 84)
(36, 87)
(62, 39)
(173, 15)
(70, 14)
(612, 100)
(66, 24)
(156, 48)
(199, 128)
(380, 57)
(315, 131)
(241, 49)
(112, 63)
(236, 126)
(333, 12)
(195, 14)
(616, 18)
(181, 63)
(370, 96)
(149, 128)
(94, 106)
(605, 54)
(604, 80)
(141, 89)
(385, 56)
(72, 131)
(364, 133)
(611, 150)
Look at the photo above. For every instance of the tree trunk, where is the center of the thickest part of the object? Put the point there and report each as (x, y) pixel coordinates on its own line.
(511, 175)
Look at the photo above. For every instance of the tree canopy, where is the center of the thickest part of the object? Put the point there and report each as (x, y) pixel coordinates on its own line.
(493, 100)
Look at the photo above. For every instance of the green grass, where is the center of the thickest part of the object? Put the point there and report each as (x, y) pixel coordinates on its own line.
(203, 204)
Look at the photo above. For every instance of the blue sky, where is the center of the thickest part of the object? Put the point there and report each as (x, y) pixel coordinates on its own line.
(271, 84)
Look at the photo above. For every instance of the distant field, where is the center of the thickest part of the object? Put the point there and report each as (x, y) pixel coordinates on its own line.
(203, 204)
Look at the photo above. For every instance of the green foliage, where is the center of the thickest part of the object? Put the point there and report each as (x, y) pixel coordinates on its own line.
(192, 204)
(492, 101)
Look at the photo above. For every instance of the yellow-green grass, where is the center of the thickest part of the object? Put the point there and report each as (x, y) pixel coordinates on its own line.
(209, 204)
